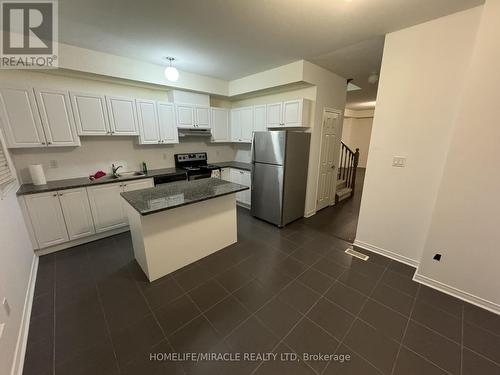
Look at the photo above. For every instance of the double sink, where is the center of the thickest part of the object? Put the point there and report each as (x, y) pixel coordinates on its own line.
(120, 176)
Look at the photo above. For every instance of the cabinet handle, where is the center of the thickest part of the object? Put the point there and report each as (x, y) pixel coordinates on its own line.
(60, 194)
(54, 195)
(43, 143)
(49, 143)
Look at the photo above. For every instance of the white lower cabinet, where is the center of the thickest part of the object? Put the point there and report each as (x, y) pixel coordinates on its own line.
(77, 215)
(47, 219)
(239, 176)
(107, 207)
(225, 174)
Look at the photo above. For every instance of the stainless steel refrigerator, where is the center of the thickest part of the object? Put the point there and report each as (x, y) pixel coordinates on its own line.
(279, 175)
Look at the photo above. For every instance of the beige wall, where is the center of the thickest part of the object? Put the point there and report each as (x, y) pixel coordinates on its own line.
(465, 221)
(418, 96)
(356, 134)
(16, 257)
(100, 152)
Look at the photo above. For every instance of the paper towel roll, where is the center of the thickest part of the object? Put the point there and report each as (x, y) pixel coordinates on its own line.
(37, 175)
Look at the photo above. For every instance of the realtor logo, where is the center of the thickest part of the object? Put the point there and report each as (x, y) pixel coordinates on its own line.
(29, 34)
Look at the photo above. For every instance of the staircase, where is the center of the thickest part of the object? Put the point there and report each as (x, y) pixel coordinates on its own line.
(346, 178)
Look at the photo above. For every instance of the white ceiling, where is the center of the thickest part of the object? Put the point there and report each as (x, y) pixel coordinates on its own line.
(229, 39)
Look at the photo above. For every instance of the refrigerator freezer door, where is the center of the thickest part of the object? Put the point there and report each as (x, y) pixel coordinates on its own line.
(267, 192)
(269, 147)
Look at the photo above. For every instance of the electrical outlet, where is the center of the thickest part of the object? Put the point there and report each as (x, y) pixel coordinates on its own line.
(398, 161)
(53, 164)
(6, 306)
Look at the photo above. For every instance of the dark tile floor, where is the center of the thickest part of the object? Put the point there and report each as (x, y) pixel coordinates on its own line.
(283, 291)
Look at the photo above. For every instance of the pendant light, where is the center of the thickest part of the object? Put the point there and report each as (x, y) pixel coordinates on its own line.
(171, 73)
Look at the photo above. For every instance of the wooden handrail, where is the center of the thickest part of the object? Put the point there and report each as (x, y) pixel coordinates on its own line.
(349, 160)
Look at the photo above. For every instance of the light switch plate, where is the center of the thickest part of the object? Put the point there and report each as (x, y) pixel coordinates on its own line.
(399, 161)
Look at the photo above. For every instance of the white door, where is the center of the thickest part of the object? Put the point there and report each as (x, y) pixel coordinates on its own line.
(138, 184)
(292, 113)
(91, 114)
(106, 206)
(274, 115)
(185, 116)
(166, 122)
(235, 125)
(20, 117)
(76, 210)
(246, 179)
(259, 118)
(57, 117)
(327, 170)
(122, 115)
(220, 125)
(149, 132)
(47, 219)
(246, 124)
(202, 116)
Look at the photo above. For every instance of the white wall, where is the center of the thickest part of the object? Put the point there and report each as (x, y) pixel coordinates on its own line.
(356, 134)
(465, 221)
(99, 152)
(418, 96)
(16, 258)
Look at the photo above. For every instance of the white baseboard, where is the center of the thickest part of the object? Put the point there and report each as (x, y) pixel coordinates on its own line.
(386, 253)
(22, 339)
(460, 294)
(310, 213)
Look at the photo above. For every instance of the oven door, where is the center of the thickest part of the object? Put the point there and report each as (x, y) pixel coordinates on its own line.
(199, 176)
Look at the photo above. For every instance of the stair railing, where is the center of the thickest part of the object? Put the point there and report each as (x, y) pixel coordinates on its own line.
(348, 164)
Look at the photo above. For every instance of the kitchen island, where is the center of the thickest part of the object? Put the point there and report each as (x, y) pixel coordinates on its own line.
(176, 224)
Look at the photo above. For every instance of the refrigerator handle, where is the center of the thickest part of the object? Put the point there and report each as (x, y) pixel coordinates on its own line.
(252, 160)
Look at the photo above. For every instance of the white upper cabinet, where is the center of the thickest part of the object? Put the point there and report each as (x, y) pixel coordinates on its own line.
(149, 130)
(192, 116)
(289, 114)
(166, 122)
(202, 117)
(156, 122)
(274, 115)
(47, 219)
(57, 117)
(20, 118)
(220, 125)
(91, 114)
(246, 124)
(259, 118)
(242, 124)
(122, 115)
(77, 215)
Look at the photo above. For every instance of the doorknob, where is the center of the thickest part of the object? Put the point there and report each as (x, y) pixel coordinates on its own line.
(333, 166)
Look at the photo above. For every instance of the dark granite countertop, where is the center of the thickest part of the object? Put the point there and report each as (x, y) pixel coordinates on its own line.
(234, 164)
(77, 182)
(177, 194)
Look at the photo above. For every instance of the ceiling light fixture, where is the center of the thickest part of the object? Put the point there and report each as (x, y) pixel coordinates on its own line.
(373, 78)
(171, 73)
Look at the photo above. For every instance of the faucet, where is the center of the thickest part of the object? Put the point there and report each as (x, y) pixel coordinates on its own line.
(115, 169)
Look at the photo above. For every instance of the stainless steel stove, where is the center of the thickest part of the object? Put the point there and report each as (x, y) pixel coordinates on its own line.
(196, 165)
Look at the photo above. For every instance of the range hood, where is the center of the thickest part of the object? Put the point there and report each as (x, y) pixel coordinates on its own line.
(194, 132)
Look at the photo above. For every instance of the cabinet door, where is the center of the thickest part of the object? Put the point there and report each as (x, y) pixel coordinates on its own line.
(91, 114)
(185, 116)
(122, 116)
(235, 177)
(20, 118)
(166, 121)
(274, 115)
(246, 179)
(106, 206)
(292, 113)
(57, 117)
(202, 116)
(149, 132)
(47, 219)
(235, 125)
(220, 125)
(138, 184)
(225, 174)
(76, 209)
(246, 124)
(259, 118)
